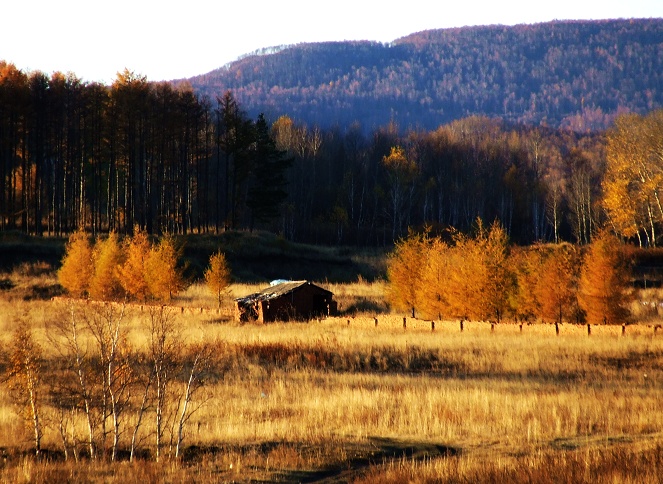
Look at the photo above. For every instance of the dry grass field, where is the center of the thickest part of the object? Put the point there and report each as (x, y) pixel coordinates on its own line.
(343, 399)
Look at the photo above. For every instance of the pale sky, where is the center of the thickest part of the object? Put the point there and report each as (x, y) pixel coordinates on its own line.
(167, 40)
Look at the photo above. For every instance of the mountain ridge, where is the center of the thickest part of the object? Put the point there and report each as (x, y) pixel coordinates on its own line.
(573, 74)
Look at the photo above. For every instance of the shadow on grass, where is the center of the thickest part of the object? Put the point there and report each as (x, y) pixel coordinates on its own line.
(343, 462)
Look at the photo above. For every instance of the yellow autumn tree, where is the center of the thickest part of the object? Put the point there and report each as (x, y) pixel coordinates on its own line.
(25, 381)
(432, 288)
(217, 275)
(77, 268)
(132, 272)
(633, 180)
(162, 276)
(465, 276)
(499, 281)
(527, 263)
(107, 256)
(604, 280)
(557, 282)
(404, 267)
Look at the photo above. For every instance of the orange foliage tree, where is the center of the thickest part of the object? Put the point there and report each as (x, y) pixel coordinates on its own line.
(603, 284)
(77, 270)
(217, 274)
(430, 291)
(133, 271)
(107, 257)
(557, 283)
(404, 269)
(161, 272)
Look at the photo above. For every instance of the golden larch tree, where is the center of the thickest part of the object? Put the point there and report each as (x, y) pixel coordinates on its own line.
(132, 272)
(466, 273)
(77, 268)
(107, 257)
(432, 288)
(404, 267)
(557, 282)
(162, 274)
(217, 275)
(603, 286)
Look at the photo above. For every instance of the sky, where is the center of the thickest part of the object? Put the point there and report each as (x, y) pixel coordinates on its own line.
(167, 40)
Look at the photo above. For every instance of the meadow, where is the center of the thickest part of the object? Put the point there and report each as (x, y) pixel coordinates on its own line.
(351, 399)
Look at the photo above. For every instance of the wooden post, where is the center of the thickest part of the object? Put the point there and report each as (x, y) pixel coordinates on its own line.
(461, 325)
(376, 322)
(432, 325)
(623, 329)
(348, 322)
(521, 327)
(557, 329)
(492, 326)
(404, 322)
(589, 329)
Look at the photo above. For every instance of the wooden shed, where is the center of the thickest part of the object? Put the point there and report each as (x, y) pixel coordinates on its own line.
(285, 301)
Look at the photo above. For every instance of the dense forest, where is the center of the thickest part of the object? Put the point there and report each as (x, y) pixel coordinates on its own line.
(75, 155)
(571, 74)
(166, 158)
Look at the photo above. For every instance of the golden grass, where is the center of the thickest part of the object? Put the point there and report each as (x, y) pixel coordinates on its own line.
(292, 400)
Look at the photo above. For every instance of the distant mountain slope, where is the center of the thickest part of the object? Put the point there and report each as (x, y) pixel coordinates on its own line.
(574, 74)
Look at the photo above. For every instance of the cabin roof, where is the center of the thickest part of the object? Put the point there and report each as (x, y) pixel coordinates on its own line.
(278, 290)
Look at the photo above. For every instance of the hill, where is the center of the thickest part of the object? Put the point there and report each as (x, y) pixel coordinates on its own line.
(576, 74)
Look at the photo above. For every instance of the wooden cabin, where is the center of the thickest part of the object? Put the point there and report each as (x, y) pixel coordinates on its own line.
(286, 301)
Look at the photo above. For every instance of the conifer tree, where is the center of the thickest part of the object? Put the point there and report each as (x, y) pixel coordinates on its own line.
(107, 257)
(161, 272)
(432, 289)
(557, 283)
(77, 268)
(604, 281)
(217, 275)
(404, 268)
(132, 272)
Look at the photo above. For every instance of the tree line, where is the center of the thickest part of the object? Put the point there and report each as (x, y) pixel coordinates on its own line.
(480, 276)
(168, 161)
(108, 158)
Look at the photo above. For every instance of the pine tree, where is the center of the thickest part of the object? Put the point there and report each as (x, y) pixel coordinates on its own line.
(267, 191)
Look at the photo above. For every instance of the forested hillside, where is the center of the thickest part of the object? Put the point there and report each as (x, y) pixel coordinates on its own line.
(576, 75)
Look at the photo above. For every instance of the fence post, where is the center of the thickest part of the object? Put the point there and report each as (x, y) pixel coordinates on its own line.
(461, 325)
(404, 322)
(376, 322)
(589, 329)
(623, 329)
(556, 328)
(432, 325)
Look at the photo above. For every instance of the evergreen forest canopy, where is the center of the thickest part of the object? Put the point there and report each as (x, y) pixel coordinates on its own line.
(571, 74)
(170, 159)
